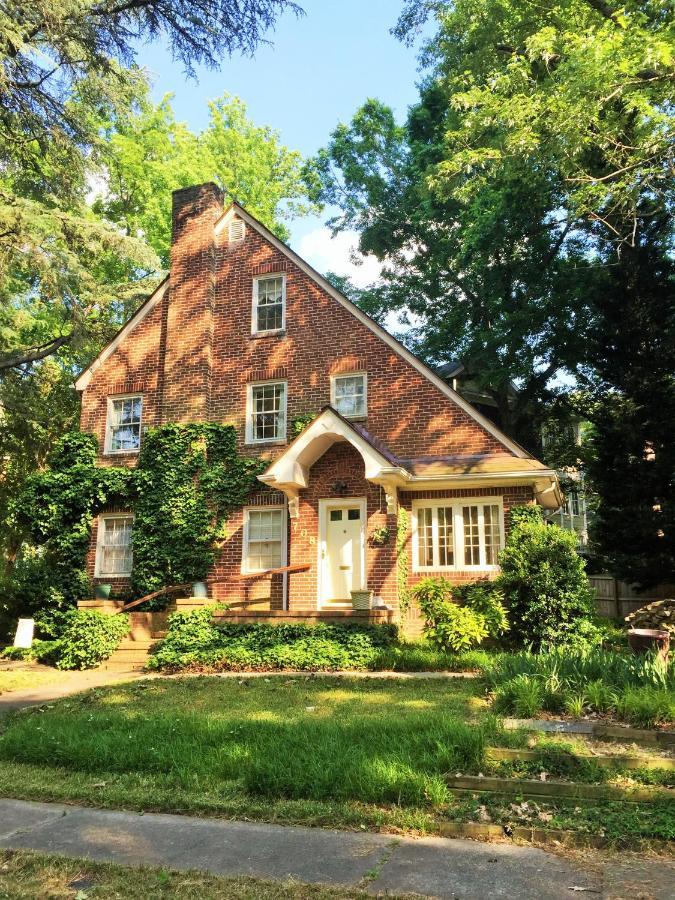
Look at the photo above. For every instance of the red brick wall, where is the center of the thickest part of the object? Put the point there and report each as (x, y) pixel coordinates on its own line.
(193, 356)
(341, 463)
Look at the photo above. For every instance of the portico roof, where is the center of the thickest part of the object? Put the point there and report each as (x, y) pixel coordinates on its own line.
(290, 472)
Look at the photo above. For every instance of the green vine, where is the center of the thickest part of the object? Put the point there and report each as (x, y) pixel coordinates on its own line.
(55, 511)
(299, 423)
(402, 568)
(189, 480)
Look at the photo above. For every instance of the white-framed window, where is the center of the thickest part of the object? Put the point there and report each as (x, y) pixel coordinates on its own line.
(123, 428)
(266, 412)
(114, 554)
(264, 545)
(349, 395)
(269, 304)
(457, 534)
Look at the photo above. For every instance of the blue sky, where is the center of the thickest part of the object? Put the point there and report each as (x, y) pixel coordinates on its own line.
(316, 72)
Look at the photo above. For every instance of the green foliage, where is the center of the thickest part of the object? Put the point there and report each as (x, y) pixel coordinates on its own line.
(378, 537)
(149, 155)
(639, 689)
(55, 510)
(543, 579)
(89, 638)
(193, 640)
(188, 480)
(402, 560)
(459, 618)
(299, 423)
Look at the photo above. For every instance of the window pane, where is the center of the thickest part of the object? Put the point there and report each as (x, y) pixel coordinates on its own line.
(471, 536)
(354, 514)
(268, 411)
(265, 532)
(350, 395)
(425, 553)
(336, 515)
(492, 534)
(116, 555)
(270, 304)
(446, 545)
(125, 423)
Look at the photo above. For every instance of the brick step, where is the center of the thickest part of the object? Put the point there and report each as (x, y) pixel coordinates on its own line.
(131, 644)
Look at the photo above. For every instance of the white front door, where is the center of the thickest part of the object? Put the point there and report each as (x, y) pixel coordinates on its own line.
(342, 549)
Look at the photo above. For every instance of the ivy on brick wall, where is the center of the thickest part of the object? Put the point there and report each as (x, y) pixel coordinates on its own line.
(402, 568)
(189, 479)
(55, 511)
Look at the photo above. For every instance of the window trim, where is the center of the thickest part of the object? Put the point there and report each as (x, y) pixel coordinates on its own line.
(333, 397)
(254, 304)
(458, 532)
(245, 570)
(249, 431)
(108, 451)
(100, 530)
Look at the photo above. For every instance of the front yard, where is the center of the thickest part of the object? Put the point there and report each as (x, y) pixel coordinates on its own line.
(314, 750)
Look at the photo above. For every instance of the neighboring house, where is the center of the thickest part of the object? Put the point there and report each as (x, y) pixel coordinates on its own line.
(573, 514)
(243, 331)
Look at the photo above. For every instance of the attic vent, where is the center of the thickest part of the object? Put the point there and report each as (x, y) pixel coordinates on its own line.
(236, 231)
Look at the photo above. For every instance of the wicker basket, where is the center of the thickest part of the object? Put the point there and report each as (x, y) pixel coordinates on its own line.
(362, 599)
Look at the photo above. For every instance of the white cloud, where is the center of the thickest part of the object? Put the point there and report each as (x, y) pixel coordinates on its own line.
(339, 255)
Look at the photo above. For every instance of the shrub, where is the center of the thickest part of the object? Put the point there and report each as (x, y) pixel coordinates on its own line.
(89, 638)
(459, 618)
(543, 579)
(193, 639)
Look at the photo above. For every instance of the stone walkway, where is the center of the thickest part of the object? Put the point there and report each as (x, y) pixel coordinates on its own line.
(379, 863)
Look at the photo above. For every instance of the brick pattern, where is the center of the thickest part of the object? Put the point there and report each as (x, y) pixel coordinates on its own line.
(193, 356)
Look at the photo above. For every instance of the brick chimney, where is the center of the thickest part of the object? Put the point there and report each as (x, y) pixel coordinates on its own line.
(189, 330)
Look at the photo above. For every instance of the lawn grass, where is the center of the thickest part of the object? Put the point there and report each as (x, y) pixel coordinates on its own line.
(26, 679)
(25, 876)
(311, 750)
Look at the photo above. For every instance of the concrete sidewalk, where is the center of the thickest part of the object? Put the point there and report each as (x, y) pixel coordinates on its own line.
(431, 867)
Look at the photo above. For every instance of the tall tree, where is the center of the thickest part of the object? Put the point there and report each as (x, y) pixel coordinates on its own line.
(61, 66)
(535, 222)
(148, 154)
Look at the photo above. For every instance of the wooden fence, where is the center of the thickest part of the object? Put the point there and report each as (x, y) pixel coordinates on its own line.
(616, 599)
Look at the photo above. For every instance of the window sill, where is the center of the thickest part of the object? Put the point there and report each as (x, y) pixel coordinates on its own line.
(280, 442)
(261, 335)
(121, 452)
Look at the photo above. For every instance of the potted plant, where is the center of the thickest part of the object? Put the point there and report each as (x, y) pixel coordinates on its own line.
(379, 536)
(362, 599)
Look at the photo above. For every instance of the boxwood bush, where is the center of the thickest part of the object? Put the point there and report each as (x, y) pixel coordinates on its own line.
(195, 641)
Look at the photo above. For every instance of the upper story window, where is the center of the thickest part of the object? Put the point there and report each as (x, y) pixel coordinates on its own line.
(266, 412)
(123, 431)
(269, 304)
(450, 534)
(113, 545)
(349, 395)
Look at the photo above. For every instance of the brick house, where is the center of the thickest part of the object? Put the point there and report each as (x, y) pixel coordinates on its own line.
(243, 331)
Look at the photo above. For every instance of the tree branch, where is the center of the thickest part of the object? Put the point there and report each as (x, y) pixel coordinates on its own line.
(35, 353)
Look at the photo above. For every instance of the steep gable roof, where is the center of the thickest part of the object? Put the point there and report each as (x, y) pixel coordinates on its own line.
(143, 310)
(236, 210)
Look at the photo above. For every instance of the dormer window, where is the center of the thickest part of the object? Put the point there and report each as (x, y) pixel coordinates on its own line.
(123, 431)
(269, 304)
